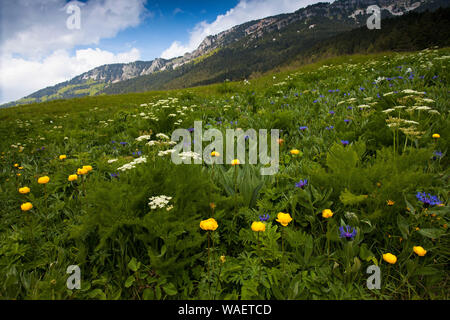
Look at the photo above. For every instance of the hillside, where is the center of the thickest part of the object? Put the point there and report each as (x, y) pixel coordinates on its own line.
(361, 181)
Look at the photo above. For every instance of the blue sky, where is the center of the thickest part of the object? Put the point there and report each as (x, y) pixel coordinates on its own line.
(166, 21)
(39, 49)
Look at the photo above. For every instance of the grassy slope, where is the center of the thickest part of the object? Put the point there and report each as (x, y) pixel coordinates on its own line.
(101, 223)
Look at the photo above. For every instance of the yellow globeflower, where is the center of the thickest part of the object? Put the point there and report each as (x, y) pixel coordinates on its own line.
(209, 224)
(235, 162)
(436, 135)
(72, 177)
(284, 218)
(419, 251)
(20, 168)
(24, 190)
(294, 151)
(215, 154)
(62, 157)
(222, 259)
(327, 213)
(16, 165)
(82, 171)
(389, 258)
(258, 226)
(43, 180)
(390, 202)
(26, 206)
(88, 168)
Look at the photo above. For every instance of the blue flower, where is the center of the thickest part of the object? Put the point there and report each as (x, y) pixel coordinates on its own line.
(123, 143)
(114, 175)
(437, 154)
(303, 128)
(301, 184)
(428, 199)
(346, 233)
(346, 120)
(329, 128)
(344, 142)
(264, 217)
(331, 112)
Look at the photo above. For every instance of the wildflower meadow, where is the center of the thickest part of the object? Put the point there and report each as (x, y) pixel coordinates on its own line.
(362, 181)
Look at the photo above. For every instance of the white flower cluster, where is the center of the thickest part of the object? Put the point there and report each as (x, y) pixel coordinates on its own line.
(190, 154)
(144, 137)
(159, 202)
(165, 153)
(132, 164)
(162, 136)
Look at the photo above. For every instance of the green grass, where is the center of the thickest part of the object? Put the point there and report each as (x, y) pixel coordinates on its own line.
(127, 250)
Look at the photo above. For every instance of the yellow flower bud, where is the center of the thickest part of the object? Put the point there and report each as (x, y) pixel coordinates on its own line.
(87, 168)
(258, 226)
(419, 250)
(72, 177)
(294, 151)
(43, 180)
(26, 206)
(24, 190)
(81, 171)
(436, 135)
(389, 258)
(284, 218)
(235, 162)
(327, 213)
(62, 157)
(209, 224)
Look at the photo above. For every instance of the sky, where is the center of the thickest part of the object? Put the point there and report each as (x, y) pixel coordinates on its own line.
(45, 42)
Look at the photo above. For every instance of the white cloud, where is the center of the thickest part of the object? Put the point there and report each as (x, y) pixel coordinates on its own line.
(36, 28)
(245, 10)
(20, 77)
(35, 41)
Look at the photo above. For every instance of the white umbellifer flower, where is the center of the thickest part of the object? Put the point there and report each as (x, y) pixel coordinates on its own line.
(160, 202)
(399, 107)
(162, 136)
(423, 108)
(132, 164)
(363, 106)
(190, 154)
(409, 70)
(379, 79)
(410, 122)
(172, 115)
(112, 160)
(410, 91)
(166, 152)
(145, 137)
(388, 94)
(433, 111)
(388, 110)
(151, 143)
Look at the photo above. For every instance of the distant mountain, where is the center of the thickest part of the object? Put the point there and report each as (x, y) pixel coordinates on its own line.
(244, 50)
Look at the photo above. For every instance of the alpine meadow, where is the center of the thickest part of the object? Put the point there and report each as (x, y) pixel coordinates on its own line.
(92, 205)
